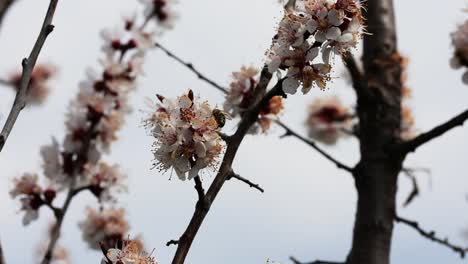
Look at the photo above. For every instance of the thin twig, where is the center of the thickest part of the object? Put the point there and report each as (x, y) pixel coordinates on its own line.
(295, 261)
(191, 68)
(290, 132)
(431, 235)
(246, 181)
(412, 145)
(28, 66)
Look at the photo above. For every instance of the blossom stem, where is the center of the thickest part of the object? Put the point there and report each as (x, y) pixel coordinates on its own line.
(28, 66)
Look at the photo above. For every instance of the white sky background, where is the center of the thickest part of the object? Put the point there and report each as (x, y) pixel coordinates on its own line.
(308, 207)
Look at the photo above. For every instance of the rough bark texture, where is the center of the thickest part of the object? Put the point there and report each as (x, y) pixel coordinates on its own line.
(379, 111)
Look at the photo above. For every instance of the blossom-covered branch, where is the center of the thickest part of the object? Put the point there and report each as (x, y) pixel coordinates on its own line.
(431, 235)
(28, 67)
(290, 132)
(413, 144)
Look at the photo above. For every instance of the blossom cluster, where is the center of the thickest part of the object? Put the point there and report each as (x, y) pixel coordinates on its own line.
(39, 83)
(460, 56)
(129, 252)
(95, 116)
(328, 120)
(311, 28)
(186, 133)
(106, 226)
(240, 97)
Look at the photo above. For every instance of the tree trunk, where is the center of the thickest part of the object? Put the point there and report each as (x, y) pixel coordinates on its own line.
(379, 112)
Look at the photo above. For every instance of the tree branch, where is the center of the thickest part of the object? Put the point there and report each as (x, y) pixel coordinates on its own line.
(412, 145)
(290, 132)
(431, 235)
(246, 181)
(295, 261)
(28, 66)
(199, 188)
(191, 68)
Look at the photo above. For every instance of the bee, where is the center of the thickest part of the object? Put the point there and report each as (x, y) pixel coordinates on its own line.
(220, 116)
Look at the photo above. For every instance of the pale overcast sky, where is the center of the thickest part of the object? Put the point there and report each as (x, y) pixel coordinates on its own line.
(308, 207)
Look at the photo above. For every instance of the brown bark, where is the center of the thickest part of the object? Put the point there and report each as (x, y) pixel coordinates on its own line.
(379, 111)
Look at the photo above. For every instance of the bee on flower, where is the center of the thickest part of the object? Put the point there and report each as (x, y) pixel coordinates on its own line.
(328, 120)
(186, 134)
(240, 97)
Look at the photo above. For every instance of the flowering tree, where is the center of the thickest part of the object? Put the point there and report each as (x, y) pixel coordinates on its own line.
(187, 130)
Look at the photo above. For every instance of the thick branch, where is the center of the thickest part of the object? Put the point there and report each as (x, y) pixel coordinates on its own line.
(290, 132)
(431, 235)
(246, 181)
(28, 66)
(191, 68)
(295, 261)
(412, 145)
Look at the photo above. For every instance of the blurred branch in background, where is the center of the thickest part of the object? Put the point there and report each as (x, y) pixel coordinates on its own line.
(28, 66)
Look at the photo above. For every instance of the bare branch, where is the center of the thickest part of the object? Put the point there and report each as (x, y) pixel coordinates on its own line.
(290, 132)
(28, 66)
(246, 181)
(431, 235)
(412, 145)
(191, 68)
(295, 261)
